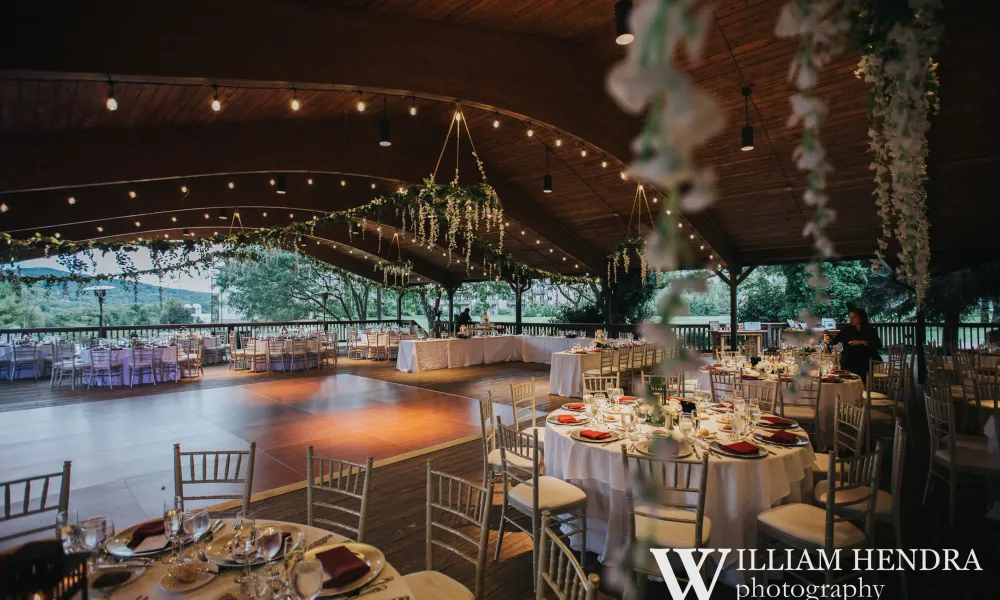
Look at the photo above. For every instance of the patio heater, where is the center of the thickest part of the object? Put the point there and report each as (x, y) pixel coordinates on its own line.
(325, 296)
(100, 291)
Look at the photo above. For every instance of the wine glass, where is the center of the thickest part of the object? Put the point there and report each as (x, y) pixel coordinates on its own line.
(195, 525)
(68, 530)
(307, 578)
(173, 526)
(684, 425)
(628, 419)
(245, 547)
(739, 403)
(754, 413)
(269, 542)
(737, 421)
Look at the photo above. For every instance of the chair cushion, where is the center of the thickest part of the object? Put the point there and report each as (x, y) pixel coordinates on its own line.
(807, 523)
(494, 459)
(883, 503)
(552, 494)
(431, 585)
(670, 534)
(878, 396)
(957, 390)
(800, 413)
(964, 440)
(985, 403)
(977, 458)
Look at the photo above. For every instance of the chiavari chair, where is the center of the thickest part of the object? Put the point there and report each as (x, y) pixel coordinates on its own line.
(522, 399)
(393, 347)
(766, 394)
(216, 467)
(330, 349)
(850, 434)
(676, 520)
(529, 493)
(607, 363)
(624, 357)
(19, 505)
(237, 355)
(722, 385)
(65, 360)
(559, 570)
(804, 411)
(24, 356)
(810, 528)
(142, 362)
(457, 520)
(274, 352)
(299, 354)
(101, 365)
(593, 384)
(353, 348)
(165, 362)
(376, 346)
(985, 392)
(191, 361)
(949, 458)
(337, 480)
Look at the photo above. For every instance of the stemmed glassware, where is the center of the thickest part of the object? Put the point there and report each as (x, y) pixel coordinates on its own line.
(245, 544)
(630, 421)
(737, 421)
(173, 526)
(616, 394)
(739, 403)
(754, 413)
(307, 578)
(269, 543)
(196, 525)
(68, 530)
(684, 425)
(94, 532)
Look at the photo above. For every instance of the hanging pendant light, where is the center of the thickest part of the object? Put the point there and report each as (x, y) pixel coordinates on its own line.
(746, 137)
(216, 103)
(383, 127)
(111, 103)
(547, 180)
(623, 32)
(295, 104)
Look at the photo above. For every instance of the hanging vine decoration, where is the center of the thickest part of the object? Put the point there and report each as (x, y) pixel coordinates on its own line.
(634, 242)
(898, 43)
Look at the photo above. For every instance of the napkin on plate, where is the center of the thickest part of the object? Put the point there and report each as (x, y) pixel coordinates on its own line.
(567, 419)
(773, 420)
(624, 399)
(831, 380)
(784, 437)
(576, 406)
(341, 566)
(741, 448)
(150, 529)
(594, 435)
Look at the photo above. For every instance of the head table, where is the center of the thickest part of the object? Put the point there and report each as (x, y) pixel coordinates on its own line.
(738, 489)
(148, 583)
(568, 367)
(430, 354)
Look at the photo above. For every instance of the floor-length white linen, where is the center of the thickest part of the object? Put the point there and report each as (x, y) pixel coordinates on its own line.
(148, 584)
(43, 351)
(422, 355)
(500, 348)
(737, 491)
(539, 348)
(426, 355)
(465, 353)
(124, 356)
(566, 374)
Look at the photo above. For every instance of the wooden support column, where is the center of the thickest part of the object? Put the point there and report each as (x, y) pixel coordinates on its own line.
(399, 305)
(608, 317)
(919, 339)
(735, 278)
(519, 286)
(451, 309)
(378, 302)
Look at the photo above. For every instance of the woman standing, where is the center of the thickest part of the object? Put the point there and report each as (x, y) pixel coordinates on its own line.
(861, 344)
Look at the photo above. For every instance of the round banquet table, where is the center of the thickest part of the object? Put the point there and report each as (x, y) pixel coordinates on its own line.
(124, 356)
(568, 367)
(148, 583)
(851, 390)
(43, 351)
(737, 491)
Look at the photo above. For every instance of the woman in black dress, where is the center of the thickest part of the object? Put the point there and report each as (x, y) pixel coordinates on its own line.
(861, 344)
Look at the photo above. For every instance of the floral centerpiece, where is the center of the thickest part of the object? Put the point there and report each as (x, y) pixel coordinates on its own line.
(600, 340)
(463, 332)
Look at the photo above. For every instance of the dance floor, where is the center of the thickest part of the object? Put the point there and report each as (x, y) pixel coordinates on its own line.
(121, 448)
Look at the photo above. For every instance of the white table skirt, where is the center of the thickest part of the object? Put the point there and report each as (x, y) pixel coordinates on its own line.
(540, 348)
(426, 355)
(566, 374)
(148, 584)
(124, 356)
(737, 489)
(43, 351)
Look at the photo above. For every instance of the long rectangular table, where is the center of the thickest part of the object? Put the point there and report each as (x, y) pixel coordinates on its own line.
(427, 355)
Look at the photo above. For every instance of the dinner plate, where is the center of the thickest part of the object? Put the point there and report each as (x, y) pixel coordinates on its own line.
(579, 410)
(118, 545)
(583, 420)
(765, 425)
(615, 436)
(132, 572)
(371, 555)
(763, 438)
(717, 447)
(233, 592)
(219, 550)
(169, 582)
(683, 450)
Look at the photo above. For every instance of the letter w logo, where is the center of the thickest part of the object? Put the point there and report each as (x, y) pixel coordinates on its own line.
(693, 570)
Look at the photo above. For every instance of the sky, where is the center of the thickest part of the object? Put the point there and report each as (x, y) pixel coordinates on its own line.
(106, 265)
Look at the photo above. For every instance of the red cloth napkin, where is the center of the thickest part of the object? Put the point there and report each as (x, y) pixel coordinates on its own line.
(784, 437)
(567, 419)
(594, 435)
(751, 377)
(624, 399)
(144, 531)
(772, 420)
(831, 380)
(741, 448)
(723, 405)
(341, 565)
(576, 406)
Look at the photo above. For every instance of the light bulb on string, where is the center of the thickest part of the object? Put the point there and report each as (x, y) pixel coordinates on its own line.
(496, 120)
(216, 103)
(361, 102)
(111, 103)
(295, 104)
(413, 106)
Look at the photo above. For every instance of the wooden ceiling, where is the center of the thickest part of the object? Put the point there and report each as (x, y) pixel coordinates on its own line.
(537, 65)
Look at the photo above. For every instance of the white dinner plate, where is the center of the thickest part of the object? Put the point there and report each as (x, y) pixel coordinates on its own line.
(578, 410)
(615, 436)
(133, 573)
(802, 441)
(583, 420)
(169, 582)
(717, 447)
(683, 450)
(219, 550)
(369, 554)
(117, 545)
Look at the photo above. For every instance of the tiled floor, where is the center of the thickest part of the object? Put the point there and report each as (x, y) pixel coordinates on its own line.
(122, 448)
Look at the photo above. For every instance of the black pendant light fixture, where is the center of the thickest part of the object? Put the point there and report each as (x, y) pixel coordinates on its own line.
(746, 137)
(623, 33)
(547, 180)
(383, 127)
(280, 184)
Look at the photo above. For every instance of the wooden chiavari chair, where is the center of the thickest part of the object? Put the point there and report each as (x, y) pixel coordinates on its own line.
(337, 479)
(353, 343)
(376, 346)
(559, 570)
(677, 521)
(593, 384)
(607, 363)
(522, 399)
(811, 528)
(457, 517)
(211, 462)
(274, 352)
(299, 354)
(850, 434)
(765, 392)
(722, 385)
(237, 355)
(29, 506)
(142, 362)
(529, 493)
(329, 349)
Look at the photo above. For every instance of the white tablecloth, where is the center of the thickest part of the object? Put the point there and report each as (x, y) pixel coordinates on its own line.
(737, 491)
(124, 356)
(566, 374)
(43, 351)
(425, 355)
(148, 583)
(540, 348)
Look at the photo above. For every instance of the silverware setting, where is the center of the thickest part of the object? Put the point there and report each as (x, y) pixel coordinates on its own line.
(371, 587)
(370, 591)
(318, 543)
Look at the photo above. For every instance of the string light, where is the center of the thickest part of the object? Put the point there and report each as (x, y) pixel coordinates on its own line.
(291, 215)
(623, 32)
(216, 103)
(583, 152)
(668, 212)
(4, 208)
(309, 181)
(383, 127)
(558, 141)
(623, 176)
(166, 235)
(111, 103)
(343, 182)
(100, 229)
(373, 185)
(576, 266)
(206, 215)
(654, 200)
(680, 225)
(173, 219)
(295, 104)
(58, 235)
(361, 102)
(702, 247)
(272, 182)
(232, 185)
(531, 131)
(265, 213)
(538, 242)
(184, 189)
(132, 194)
(522, 232)
(691, 236)
(458, 114)
(138, 224)
(413, 106)
(71, 200)
(604, 162)
(496, 120)
(280, 188)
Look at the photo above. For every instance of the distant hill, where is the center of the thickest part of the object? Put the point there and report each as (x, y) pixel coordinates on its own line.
(148, 294)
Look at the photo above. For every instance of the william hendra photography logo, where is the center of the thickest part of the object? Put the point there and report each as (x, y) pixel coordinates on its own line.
(701, 581)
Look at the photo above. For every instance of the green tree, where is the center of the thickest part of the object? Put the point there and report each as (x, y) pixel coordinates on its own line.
(174, 312)
(17, 310)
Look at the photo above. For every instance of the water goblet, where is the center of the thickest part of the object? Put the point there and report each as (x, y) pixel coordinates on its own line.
(195, 524)
(269, 543)
(68, 530)
(737, 421)
(307, 578)
(739, 403)
(628, 420)
(173, 526)
(754, 414)
(685, 425)
(93, 530)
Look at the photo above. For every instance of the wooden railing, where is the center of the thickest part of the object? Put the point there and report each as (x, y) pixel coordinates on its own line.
(79, 334)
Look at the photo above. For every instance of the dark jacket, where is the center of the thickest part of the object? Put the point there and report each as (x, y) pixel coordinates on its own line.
(854, 358)
(463, 318)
